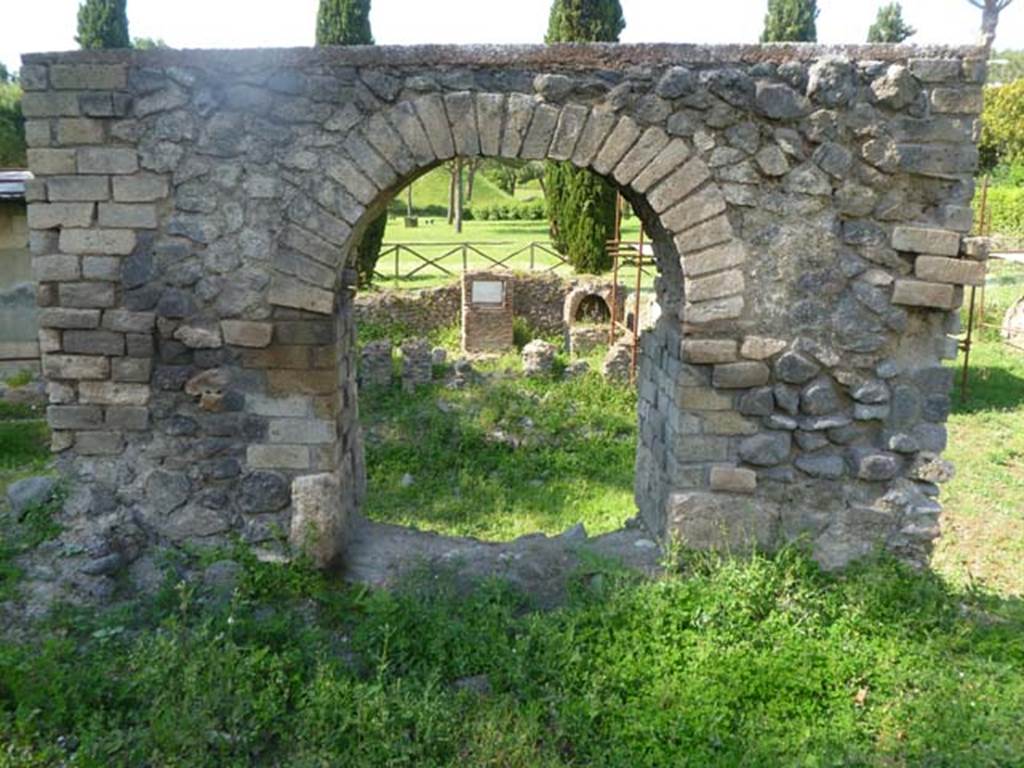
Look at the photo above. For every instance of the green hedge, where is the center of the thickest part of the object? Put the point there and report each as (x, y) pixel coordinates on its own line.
(532, 211)
(1006, 205)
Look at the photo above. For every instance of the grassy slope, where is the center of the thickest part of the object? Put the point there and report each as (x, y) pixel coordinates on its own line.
(432, 189)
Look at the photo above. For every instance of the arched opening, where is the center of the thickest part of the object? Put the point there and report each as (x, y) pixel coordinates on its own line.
(593, 310)
(469, 445)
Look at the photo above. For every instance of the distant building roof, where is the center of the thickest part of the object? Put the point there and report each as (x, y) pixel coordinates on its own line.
(12, 184)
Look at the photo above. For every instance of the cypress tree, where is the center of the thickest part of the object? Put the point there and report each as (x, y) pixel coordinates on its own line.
(889, 26)
(343, 22)
(347, 22)
(580, 204)
(103, 24)
(791, 21)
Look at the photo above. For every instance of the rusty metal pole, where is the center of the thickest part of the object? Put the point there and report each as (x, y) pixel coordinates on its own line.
(615, 295)
(636, 309)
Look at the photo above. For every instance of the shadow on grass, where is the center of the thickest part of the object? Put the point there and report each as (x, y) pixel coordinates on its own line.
(989, 388)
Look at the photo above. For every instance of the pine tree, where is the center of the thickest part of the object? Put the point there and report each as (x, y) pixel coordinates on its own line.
(889, 26)
(580, 204)
(791, 21)
(103, 24)
(347, 22)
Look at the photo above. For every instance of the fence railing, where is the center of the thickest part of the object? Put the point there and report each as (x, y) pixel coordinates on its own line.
(418, 261)
(408, 261)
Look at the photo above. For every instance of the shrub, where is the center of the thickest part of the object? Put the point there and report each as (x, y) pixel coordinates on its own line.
(1006, 206)
(1002, 131)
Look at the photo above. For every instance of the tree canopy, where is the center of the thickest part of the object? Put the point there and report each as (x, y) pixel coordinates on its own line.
(889, 26)
(103, 24)
(791, 21)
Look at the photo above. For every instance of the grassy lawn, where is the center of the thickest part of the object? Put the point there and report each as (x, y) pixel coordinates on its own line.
(504, 458)
(758, 661)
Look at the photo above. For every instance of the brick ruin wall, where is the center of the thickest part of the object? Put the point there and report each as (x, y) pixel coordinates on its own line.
(193, 212)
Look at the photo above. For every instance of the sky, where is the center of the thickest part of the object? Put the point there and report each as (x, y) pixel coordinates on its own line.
(49, 25)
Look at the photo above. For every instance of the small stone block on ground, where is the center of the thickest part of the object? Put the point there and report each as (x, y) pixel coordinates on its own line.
(319, 522)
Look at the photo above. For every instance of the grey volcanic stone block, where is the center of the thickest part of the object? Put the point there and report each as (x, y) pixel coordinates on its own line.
(25, 494)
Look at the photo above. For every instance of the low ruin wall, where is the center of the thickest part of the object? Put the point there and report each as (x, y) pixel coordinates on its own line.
(538, 300)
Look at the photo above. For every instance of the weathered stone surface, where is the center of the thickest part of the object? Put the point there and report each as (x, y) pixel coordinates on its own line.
(319, 521)
(877, 465)
(733, 480)
(113, 393)
(780, 102)
(263, 492)
(766, 450)
(709, 350)
(937, 269)
(23, 495)
(728, 523)
(740, 375)
(795, 368)
(538, 358)
(824, 465)
(938, 242)
(246, 333)
(917, 293)
(800, 204)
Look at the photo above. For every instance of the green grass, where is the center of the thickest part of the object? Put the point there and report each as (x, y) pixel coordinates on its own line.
(502, 458)
(431, 189)
(436, 240)
(757, 661)
(730, 663)
(983, 521)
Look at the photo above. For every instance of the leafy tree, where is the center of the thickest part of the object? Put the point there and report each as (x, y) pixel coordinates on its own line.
(790, 21)
(5, 74)
(1002, 125)
(103, 24)
(343, 22)
(889, 26)
(580, 204)
(347, 22)
(12, 126)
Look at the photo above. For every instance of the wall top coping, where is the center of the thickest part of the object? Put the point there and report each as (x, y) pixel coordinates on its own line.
(562, 56)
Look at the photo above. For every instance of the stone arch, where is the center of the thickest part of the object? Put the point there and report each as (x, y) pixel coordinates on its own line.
(669, 185)
(662, 175)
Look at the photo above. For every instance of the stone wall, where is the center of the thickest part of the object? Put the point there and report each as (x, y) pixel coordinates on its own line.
(538, 300)
(193, 213)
